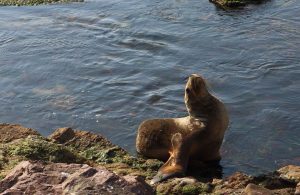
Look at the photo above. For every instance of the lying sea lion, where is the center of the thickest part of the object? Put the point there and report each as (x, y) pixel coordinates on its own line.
(197, 137)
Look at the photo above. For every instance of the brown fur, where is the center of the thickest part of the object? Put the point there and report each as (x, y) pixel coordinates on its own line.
(198, 136)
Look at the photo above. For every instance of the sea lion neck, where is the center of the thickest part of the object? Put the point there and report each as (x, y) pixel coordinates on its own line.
(200, 108)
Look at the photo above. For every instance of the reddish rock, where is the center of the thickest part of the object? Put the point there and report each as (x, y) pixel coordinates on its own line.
(10, 132)
(233, 184)
(238, 180)
(61, 178)
(252, 189)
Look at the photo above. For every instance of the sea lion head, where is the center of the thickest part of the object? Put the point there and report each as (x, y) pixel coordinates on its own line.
(197, 97)
(195, 89)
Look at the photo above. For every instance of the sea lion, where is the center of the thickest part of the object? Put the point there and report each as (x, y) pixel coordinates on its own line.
(196, 137)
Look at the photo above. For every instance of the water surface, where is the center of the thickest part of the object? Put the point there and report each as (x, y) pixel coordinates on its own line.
(105, 66)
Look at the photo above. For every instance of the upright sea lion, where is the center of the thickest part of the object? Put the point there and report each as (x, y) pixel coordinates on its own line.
(179, 140)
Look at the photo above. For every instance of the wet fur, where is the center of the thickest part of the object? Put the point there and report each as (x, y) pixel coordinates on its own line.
(201, 133)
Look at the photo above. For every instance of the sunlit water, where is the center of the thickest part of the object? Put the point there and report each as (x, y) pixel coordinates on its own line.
(105, 66)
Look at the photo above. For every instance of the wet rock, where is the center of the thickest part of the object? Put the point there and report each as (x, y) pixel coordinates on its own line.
(291, 172)
(33, 2)
(225, 4)
(252, 189)
(10, 132)
(61, 178)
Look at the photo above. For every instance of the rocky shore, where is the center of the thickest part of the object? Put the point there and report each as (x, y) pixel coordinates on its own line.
(79, 162)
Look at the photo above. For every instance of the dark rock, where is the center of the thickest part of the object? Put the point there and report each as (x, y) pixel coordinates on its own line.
(273, 181)
(226, 4)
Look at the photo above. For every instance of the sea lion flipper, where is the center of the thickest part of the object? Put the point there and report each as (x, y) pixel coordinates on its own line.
(173, 167)
(176, 141)
(160, 176)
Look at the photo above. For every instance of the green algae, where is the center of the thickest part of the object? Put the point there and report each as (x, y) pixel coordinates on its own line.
(109, 155)
(178, 186)
(38, 148)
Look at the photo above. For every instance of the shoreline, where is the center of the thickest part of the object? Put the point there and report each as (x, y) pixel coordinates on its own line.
(96, 158)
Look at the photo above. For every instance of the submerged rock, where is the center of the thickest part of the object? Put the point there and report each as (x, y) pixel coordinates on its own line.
(225, 4)
(33, 2)
(80, 162)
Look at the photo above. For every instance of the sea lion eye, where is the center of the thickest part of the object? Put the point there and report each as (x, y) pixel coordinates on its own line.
(188, 91)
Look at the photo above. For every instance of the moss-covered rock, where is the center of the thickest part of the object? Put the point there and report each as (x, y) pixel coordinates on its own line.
(33, 2)
(97, 149)
(35, 148)
(186, 186)
(68, 146)
(10, 132)
(38, 148)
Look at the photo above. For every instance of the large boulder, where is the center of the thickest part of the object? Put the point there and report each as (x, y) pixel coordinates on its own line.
(61, 178)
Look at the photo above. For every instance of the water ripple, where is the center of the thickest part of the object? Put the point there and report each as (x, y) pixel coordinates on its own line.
(108, 65)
